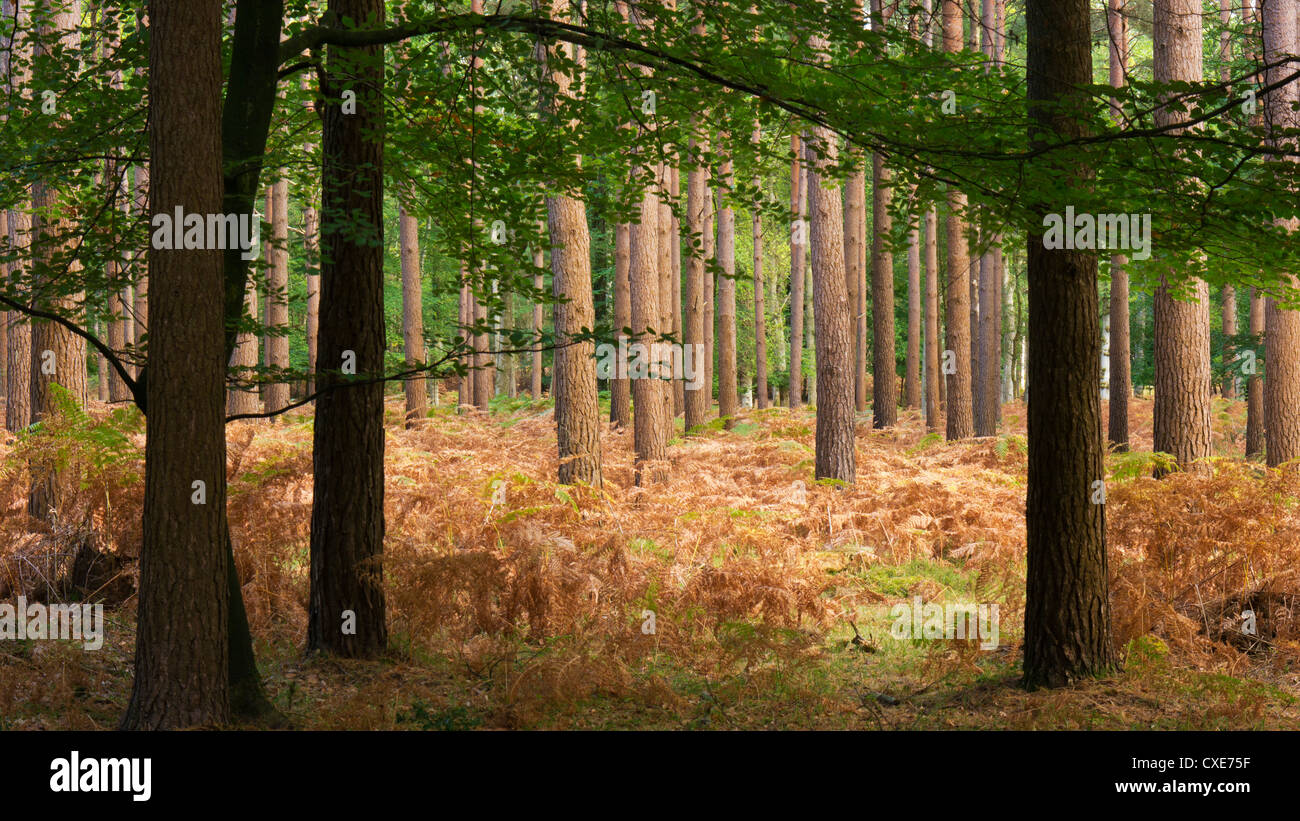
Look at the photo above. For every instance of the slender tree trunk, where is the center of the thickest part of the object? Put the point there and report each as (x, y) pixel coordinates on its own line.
(311, 246)
(884, 408)
(760, 310)
(620, 407)
(798, 237)
(933, 377)
(1120, 355)
(242, 361)
(1067, 612)
(678, 383)
(648, 430)
(1182, 330)
(1228, 294)
(539, 320)
(347, 614)
(961, 423)
(697, 390)
(277, 339)
(912, 368)
(855, 261)
(1255, 434)
(728, 402)
(408, 229)
(181, 652)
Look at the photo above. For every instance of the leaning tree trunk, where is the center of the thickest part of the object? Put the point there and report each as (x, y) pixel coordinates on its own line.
(1067, 611)
(346, 615)
(181, 648)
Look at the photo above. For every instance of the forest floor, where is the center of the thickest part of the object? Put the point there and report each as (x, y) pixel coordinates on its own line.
(739, 594)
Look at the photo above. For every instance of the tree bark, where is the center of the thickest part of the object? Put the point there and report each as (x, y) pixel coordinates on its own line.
(1120, 354)
(1067, 612)
(181, 653)
(620, 406)
(693, 336)
(933, 377)
(1182, 328)
(798, 237)
(961, 423)
(347, 523)
(277, 340)
(1255, 433)
(728, 401)
(417, 398)
(884, 390)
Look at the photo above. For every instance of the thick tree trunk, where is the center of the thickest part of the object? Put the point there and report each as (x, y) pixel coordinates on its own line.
(181, 652)
(417, 399)
(1182, 328)
(346, 615)
(1281, 326)
(649, 442)
(835, 456)
(577, 406)
(1067, 613)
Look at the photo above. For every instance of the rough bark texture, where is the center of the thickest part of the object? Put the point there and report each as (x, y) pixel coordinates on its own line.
(1182, 327)
(649, 442)
(1281, 326)
(855, 260)
(798, 238)
(678, 384)
(693, 336)
(181, 650)
(347, 522)
(1067, 612)
(835, 456)
(961, 422)
(18, 351)
(417, 397)
(577, 407)
(884, 384)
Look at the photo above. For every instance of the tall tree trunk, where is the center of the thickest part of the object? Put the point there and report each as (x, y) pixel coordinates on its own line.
(1120, 355)
(835, 456)
(142, 281)
(577, 407)
(181, 652)
(311, 247)
(884, 390)
(1228, 294)
(855, 261)
(1255, 434)
(1281, 326)
(961, 423)
(678, 383)
(242, 361)
(798, 238)
(539, 325)
(277, 340)
(620, 406)
(58, 357)
(1182, 331)
(760, 310)
(347, 610)
(408, 229)
(728, 402)
(466, 319)
(933, 377)
(697, 195)
(912, 367)
(1067, 612)
(648, 430)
